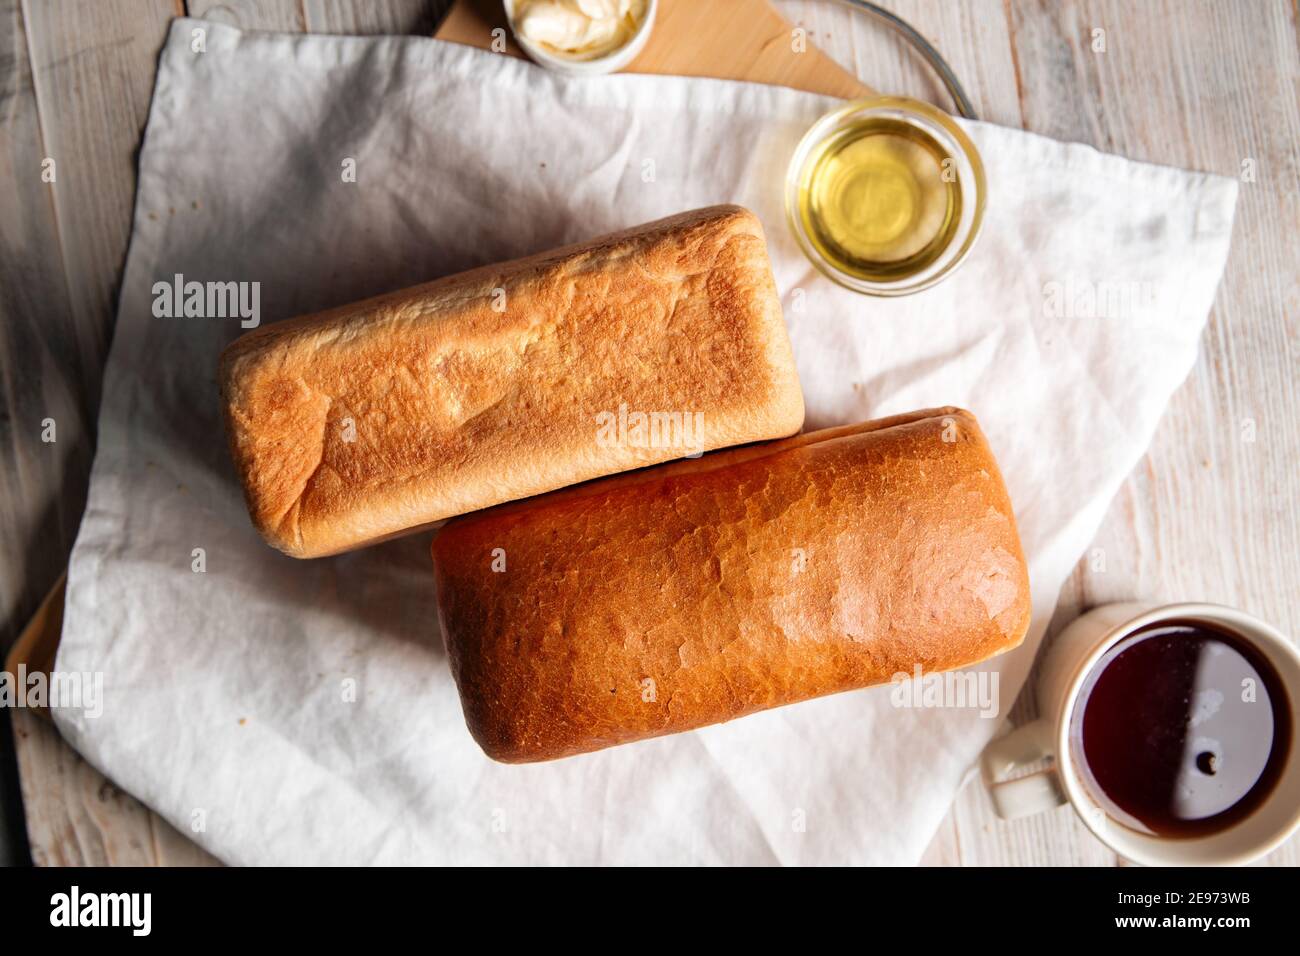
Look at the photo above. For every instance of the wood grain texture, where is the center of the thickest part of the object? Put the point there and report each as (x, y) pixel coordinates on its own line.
(77, 79)
(1211, 513)
(36, 519)
(76, 102)
(760, 45)
(72, 235)
(371, 17)
(379, 17)
(37, 522)
(36, 647)
(77, 817)
(283, 16)
(93, 85)
(972, 36)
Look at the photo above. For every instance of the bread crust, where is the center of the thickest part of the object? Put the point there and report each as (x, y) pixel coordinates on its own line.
(368, 421)
(699, 591)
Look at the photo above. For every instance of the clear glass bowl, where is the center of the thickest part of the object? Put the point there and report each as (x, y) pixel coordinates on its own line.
(945, 133)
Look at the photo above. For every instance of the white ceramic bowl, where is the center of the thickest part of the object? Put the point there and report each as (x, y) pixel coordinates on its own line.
(606, 63)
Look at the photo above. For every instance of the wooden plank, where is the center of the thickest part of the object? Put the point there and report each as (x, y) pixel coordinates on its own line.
(945, 848)
(375, 17)
(1032, 65)
(380, 17)
(44, 356)
(77, 90)
(92, 66)
(284, 16)
(74, 814)
(76, 817)
(732, 39)
(37, 645)
(1210, 514)
(42, 484)
(971, 35)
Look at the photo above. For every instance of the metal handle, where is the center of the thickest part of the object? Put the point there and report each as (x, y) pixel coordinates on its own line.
(922, 45)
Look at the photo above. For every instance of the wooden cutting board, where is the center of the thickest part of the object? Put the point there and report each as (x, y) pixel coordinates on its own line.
(726, 39)
(39, 640)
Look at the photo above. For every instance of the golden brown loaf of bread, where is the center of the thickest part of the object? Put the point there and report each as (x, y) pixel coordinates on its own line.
(374, 419)
(695, 592)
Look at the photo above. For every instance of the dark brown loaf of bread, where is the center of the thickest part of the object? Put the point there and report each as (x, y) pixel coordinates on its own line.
(694, 592)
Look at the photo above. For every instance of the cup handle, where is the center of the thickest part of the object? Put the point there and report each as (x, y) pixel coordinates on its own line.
(1029, 794)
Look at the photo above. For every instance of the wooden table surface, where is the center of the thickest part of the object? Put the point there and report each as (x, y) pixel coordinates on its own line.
(1212, 513)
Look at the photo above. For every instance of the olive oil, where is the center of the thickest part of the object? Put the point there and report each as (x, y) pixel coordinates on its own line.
(880, 199)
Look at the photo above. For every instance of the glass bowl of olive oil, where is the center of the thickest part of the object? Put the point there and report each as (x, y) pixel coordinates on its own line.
(886, 195)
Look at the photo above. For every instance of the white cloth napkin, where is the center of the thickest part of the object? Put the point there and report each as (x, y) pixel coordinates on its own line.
(225, 692)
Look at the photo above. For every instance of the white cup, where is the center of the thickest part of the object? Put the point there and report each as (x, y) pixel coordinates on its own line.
(1065, 672)
(610, 62)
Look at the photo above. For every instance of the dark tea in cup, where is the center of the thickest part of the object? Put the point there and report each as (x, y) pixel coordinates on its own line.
(1182, 729)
